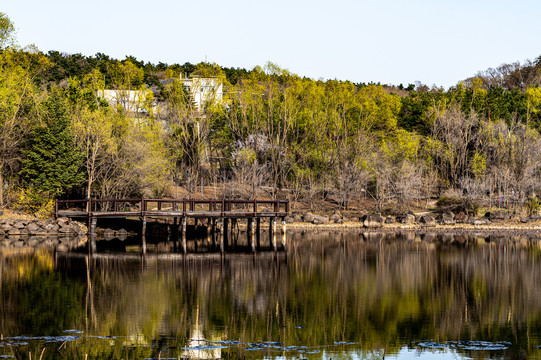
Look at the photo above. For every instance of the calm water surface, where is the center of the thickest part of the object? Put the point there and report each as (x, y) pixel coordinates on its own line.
(329, 296)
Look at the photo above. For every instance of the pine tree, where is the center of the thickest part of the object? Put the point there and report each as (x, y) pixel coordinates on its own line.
(52, 163)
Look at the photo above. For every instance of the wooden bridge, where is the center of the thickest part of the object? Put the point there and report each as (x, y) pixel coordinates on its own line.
(219, 214)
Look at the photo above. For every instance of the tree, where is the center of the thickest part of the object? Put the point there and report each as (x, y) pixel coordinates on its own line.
(7, 31)
(18, 99)
(53, 163)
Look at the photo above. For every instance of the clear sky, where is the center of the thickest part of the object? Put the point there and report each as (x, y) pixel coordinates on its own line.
(390, 41)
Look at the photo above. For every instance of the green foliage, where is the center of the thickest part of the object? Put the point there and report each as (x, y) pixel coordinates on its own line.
(478, 164)
(53, 163)
(7, 31)
(533, 205)
(34, 202)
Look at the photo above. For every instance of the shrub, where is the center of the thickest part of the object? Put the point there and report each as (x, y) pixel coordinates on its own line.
(31, 201)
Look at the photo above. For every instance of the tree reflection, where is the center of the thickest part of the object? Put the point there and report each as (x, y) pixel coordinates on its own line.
(380, 291)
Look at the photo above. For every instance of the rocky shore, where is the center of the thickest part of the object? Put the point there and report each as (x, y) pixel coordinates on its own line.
(60, 226)
(447, 221)
(62, 233)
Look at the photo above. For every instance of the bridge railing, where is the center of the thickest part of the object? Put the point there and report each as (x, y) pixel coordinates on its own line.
(118, 206)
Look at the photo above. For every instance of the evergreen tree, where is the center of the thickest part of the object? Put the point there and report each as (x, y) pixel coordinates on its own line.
(52, 163)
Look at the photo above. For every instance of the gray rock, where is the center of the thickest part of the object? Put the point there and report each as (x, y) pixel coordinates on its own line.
(308, 217)
(481, 222)
(427, 220)
(390, 220)
(320, 220)
(373, 221)
(406, 218)
(447, 218)
(63, 221)
(14, 231)
(34, 228)
(52, 228)
(498, 215)
(297, 215)
(75, 227)
(64, 229)
(289, 219)
(335, 217)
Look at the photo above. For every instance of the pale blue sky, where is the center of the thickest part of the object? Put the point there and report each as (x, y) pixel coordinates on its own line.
(391, 41)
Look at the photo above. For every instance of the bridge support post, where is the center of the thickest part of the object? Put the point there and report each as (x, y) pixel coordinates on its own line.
(272, 233)
(225, 230)
(93, 222)
(222, 236)
(258, 232)
(213, 232)
(284, 236)
(250, 227)
(143, 235)
(184, 226)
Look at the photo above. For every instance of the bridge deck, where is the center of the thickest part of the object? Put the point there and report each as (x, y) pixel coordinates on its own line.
(185, 208)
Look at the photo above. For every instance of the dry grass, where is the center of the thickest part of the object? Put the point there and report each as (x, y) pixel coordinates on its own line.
(15, 215)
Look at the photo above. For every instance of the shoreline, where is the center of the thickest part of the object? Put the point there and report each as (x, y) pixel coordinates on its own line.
(358, 227)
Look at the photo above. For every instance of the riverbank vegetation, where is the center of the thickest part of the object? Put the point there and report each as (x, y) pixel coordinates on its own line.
(477, 144)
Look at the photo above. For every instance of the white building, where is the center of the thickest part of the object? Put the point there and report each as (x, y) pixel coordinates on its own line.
(133, 101)
(203, 90)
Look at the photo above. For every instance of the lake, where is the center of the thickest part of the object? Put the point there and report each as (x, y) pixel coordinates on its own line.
(327, 296)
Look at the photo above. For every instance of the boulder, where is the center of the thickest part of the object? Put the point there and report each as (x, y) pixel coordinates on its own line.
(75, 227)
(289, 219)
(319, 220)
(52, 228)
(62, 221)
(334, 217)
(481, 222)
(427, 220)
(406, 218)
(461, 217)
(308, 217)
(373, 221)
(447, 218)
(34, 228)
(390, 220)
(315, 219)
(498, 215)
(64, 229)
(297, 216)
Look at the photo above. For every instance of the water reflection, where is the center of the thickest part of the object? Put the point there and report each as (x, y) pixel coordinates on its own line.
(329, 296)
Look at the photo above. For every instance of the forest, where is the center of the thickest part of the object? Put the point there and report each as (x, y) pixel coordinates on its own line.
(272, 133)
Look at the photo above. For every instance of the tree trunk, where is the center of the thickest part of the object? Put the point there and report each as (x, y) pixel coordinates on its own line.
(1, 186)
